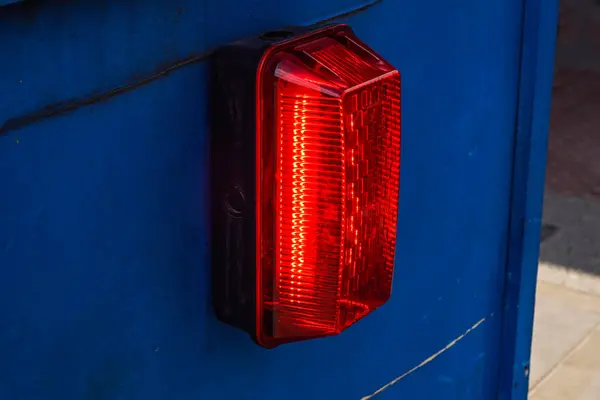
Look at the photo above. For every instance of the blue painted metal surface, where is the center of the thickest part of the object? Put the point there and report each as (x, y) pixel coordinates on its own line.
(537, 62)
(103, 227)
(7, 2)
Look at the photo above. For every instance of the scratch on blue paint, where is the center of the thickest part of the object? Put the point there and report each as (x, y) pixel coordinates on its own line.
(427, 360)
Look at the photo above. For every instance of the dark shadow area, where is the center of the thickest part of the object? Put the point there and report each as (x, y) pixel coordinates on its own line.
(571, 230)
(548, 230)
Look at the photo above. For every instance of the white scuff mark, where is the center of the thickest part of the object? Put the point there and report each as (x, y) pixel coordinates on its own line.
(426, 361)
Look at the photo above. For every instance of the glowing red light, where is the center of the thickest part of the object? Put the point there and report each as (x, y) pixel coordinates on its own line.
(328, 165)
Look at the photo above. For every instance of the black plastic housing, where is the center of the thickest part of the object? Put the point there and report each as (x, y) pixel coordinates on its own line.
(233, 74)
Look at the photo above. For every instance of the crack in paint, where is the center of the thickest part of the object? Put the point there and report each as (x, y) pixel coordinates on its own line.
(65, 106)
(427, 360)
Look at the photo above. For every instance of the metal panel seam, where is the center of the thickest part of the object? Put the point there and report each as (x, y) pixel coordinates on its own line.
(531, 132)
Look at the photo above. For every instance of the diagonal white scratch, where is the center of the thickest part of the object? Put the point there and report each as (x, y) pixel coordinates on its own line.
(426, 361)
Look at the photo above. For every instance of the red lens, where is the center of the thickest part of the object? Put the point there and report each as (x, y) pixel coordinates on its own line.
(328, 159)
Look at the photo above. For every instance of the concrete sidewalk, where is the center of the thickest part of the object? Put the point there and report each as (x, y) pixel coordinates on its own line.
(565, 359)
(570, 248)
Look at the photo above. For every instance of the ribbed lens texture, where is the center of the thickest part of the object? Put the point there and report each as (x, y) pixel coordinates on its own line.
(311, 197)
(335, 195)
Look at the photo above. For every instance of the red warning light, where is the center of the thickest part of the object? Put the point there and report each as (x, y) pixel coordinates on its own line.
(305, 159)
(327, 178)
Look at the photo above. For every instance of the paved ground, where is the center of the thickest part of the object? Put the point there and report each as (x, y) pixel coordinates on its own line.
(566, 343)
(570, 252)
